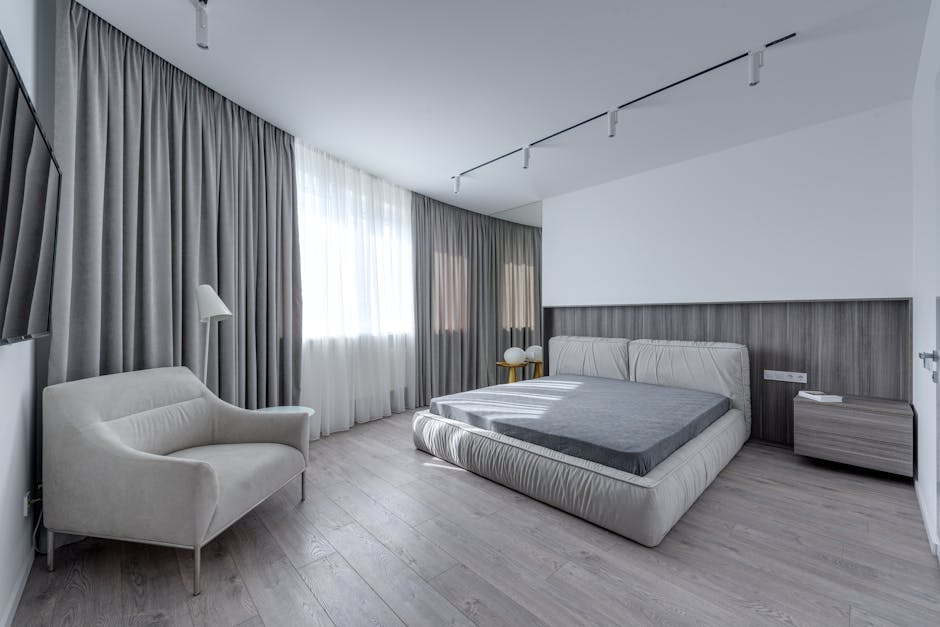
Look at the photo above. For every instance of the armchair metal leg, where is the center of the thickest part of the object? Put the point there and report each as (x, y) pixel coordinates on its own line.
(50, 550)
(197, 568)
(303, 486)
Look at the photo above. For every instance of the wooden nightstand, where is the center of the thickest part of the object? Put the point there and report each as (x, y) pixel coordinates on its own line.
(513, 368)
(515, 376)
(536, 368)
(867, 432)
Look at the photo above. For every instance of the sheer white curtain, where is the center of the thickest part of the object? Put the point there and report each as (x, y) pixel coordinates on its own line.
(358, 358)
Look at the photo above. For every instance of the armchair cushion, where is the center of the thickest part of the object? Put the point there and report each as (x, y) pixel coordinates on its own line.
(247, 475)
(165, 429)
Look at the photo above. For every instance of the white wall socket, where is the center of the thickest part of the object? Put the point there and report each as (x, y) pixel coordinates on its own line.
(783, 375)
(26, 499)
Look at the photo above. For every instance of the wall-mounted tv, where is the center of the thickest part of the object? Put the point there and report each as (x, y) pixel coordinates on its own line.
(29, 203)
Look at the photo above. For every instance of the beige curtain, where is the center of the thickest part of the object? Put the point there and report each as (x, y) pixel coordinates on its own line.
(477, 292)
(166, 185)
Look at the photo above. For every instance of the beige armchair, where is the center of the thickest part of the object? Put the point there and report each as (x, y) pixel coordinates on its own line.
(154, 457)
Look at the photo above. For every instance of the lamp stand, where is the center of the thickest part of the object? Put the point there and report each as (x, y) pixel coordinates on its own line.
(205, 361)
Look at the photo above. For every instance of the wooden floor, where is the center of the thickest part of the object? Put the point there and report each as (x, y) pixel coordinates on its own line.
(391, 536)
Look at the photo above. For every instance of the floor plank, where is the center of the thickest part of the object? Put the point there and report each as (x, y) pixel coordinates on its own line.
(743, 577)
(224, 599)
(94, 586)
(299, 538)
(374, 483)
(399, 537)
(275, 586)
(391, 536)
(550, 602)
(152, 587)
(480, 601)
(319, 509)
(348, 599)
(409, 596)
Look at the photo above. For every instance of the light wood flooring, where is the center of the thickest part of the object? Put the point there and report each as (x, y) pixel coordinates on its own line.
(391, 536)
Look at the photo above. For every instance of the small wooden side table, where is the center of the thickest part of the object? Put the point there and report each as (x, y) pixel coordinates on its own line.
(537, 370)
(513, 368)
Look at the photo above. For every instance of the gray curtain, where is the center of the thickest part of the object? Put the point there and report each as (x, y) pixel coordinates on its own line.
(28, 191)
(477, 292)
(166, 185)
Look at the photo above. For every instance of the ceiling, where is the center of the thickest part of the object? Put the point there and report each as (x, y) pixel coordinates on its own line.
(418, 90)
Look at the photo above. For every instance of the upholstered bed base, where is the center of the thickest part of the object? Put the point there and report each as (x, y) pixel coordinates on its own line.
(643, 509)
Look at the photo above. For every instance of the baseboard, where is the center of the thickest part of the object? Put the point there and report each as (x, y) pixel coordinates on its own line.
(928, 529)
(11, 603)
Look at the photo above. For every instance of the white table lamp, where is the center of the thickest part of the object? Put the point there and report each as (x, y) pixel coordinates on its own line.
(210, 308)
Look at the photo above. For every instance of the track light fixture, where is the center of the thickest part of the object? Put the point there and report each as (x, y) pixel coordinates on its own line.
(755, 61)
(612, 122)
(202, 24)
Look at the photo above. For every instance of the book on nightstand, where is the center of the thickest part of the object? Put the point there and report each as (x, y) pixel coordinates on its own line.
(820, 397)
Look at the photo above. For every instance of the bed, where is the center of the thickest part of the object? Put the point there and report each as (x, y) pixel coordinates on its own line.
(557, 439)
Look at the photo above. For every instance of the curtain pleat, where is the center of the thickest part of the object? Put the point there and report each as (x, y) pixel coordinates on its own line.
(166, 185)
(28, 188)
(517, 256)
(477, 293)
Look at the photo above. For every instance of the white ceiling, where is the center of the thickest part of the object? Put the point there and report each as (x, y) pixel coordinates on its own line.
(417, 90)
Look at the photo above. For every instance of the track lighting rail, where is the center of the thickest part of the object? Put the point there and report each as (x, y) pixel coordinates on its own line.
(655, 92)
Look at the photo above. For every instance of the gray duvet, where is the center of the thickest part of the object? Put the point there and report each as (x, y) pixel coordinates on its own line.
(621, 424)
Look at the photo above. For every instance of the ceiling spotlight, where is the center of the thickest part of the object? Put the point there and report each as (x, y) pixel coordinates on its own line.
(612, 122)
(755, 61)
(457, 184)
(525, 157)
(202, 24)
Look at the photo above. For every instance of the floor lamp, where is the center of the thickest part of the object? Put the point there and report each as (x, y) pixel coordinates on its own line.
(210, 308)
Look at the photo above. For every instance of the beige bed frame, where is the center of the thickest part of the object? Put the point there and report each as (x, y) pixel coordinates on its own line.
(644, 508)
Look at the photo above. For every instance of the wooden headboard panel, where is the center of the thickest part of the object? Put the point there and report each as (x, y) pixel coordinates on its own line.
(848, 346)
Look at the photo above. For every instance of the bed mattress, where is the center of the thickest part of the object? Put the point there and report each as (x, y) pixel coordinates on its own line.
(623, 425)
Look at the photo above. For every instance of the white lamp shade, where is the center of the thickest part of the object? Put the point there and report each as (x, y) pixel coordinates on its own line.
(534, 353)
(210, 305)
(514, 356)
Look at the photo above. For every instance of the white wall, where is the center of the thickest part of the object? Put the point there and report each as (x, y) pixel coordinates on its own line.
(530, 214)
(18, 23)
(818, 213)
(16, 467)
(28, 27)
(925, 113)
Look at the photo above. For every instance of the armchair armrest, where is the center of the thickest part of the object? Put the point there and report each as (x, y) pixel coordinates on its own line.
(234, 425)
(113, 490)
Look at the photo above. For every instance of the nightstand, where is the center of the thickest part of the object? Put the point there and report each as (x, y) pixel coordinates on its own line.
(513, 368)
(867, 432)
(517, 371)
